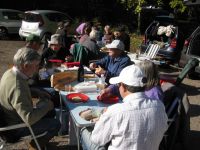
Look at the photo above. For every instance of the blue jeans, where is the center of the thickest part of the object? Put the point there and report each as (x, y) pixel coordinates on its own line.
(49, 125)
(86, 141)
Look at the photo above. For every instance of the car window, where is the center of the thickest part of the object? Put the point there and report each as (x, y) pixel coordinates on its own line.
(12, 15)
(56, 17)
(30, 17)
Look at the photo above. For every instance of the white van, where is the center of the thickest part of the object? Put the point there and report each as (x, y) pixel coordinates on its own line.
(41, 22)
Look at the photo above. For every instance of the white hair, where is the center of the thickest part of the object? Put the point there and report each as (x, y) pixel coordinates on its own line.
(93, 34)
(25, 55)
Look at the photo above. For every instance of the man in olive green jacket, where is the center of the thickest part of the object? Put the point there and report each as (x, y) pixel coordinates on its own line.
(16, 100)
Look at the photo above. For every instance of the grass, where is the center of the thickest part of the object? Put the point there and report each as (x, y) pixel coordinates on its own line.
(135, 43)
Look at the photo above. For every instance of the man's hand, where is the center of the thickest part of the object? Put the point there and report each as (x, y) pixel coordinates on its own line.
(93, 66)
(100, 70)
(105, 93)
(69, 58)
(105, 109)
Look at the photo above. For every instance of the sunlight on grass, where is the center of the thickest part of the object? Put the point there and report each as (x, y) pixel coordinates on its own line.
(136, 41)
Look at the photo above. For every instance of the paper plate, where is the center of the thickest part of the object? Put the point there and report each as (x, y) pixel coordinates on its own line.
(55, 60)
(77, 97)
(109, 100)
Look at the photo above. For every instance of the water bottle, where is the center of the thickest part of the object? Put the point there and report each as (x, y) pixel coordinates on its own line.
(101, 83)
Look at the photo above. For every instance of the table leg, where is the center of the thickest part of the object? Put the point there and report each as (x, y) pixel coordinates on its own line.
(78, 138)
(61, 112)
(77, 130)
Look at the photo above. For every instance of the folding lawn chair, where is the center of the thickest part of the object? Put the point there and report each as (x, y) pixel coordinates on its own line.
(5, 136)
(177, 107)
(151, 51)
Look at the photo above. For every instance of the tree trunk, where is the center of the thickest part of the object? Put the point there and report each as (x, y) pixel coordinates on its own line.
(138, 23)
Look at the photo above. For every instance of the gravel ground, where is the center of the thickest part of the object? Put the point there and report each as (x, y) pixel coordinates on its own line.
(192, 87)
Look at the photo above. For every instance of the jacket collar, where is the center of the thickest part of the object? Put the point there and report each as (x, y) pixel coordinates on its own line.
(133, 97)
(18, 72)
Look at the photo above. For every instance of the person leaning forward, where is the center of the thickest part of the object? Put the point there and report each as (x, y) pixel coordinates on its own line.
(138, 123)
(112, 65)
(16, 101)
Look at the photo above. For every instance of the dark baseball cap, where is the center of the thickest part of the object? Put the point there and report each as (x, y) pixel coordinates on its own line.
(33, 38)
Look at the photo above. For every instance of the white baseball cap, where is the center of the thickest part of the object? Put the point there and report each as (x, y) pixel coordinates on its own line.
(131, 75)
(116, 44)
(55, 39)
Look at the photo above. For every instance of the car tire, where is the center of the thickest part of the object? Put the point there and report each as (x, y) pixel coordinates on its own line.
(3, 33)
(46, 37)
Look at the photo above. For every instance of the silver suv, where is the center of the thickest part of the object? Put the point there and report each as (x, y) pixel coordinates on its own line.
(41, 22)
(10, 21)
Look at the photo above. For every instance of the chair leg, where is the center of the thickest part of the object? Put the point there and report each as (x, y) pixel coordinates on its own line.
(2, 143)
(34, 138)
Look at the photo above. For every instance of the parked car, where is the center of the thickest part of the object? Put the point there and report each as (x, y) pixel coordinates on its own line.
(41, 22)
(10, 21)
(191, 49)
(170, 46)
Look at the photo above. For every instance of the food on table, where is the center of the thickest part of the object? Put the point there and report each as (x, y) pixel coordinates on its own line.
(87, 114)
(89, 76)
(91, 114)
(76, 99)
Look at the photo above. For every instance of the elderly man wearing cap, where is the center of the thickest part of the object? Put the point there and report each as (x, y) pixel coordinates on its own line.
(138, 123)
(55, 50)
(34, 42)
(112, 64)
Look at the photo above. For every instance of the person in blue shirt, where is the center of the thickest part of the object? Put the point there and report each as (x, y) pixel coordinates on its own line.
(112, 64)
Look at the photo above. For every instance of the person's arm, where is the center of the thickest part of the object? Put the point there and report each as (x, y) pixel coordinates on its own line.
(114, 89)
(103, 62)
(44, 57)
(22, 103)
(124, 63)
(102, 132)
(36, 92)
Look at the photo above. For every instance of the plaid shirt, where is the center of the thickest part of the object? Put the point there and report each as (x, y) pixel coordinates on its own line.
(137, 124)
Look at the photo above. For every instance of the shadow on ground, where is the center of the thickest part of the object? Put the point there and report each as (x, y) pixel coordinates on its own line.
(190, 90)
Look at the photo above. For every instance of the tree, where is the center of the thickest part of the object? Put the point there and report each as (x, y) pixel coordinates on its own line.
(178, 5)
(137, 5)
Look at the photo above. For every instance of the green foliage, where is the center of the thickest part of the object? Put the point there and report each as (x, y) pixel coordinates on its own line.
(178, 4)
(159, 2)
(136, 41)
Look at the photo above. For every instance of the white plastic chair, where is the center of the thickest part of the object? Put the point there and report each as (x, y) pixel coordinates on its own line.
(151, 51)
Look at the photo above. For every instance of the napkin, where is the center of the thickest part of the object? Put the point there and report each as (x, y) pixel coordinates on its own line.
(86, 87)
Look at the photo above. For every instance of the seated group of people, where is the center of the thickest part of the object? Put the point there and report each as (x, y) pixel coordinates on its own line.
(139, 122)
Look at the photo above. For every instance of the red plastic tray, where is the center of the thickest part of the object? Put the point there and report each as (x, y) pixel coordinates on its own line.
(55, 60)
(109, 100)
(72, 64)
(84, 98)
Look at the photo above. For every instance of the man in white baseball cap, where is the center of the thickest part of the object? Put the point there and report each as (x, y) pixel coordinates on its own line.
(138, 123)
(112, 64)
